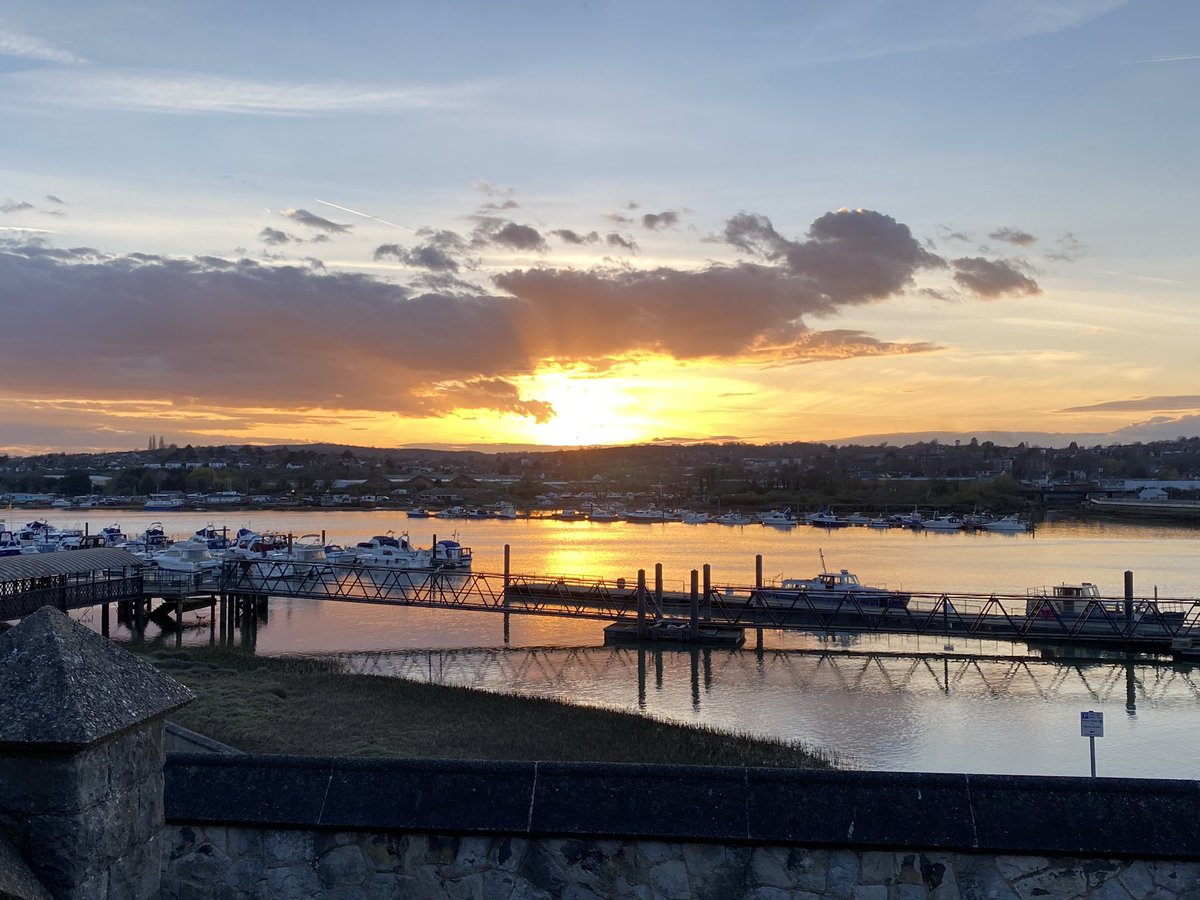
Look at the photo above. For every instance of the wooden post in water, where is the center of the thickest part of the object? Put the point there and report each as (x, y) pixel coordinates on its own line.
(104, 620)
(758, 585)
(1128, 602)
(179, 621)
(507, 575)
(641, 604)
(694, 623)
(706, 604)
(658, 592)
(507, 570)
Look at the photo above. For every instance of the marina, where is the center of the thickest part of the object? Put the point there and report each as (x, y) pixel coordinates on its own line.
(993, 707)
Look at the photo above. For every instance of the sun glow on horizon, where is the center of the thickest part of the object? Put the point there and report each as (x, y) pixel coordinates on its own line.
(588, 410)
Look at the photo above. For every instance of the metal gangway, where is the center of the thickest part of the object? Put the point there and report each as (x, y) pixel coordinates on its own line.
(1155, 624)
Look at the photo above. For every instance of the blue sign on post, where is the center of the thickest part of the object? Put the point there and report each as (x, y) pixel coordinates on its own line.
(1091, 724)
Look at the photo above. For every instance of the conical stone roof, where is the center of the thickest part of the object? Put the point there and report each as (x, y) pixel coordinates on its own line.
(62, 684)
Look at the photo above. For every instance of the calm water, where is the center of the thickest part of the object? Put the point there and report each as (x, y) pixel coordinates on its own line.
(889, 703)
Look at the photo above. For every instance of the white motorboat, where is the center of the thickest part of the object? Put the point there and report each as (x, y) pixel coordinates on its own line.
(188, 557)
(832, 590)
(603, 514)
(303, 557)
(690, 517)
(778, 518)
(827, 519)
(732, 518)
(1007, 525)
(647, 516)
(451, 554)
(943, 523)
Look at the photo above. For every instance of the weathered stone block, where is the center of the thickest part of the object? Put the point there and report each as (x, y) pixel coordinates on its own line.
(1012, 868)
(244, 842)
(979, 878)
(286, 848)
(1059, 881)
(136, 875)
(669, 880)
(298, 881)
(843, 872)
(391, 886)
(877, 868)
(767, 868)
(473, 854)
(342, 866)
(869, 892)
(1113, 890)
(542, 871)
(809, 869)
(382, 852)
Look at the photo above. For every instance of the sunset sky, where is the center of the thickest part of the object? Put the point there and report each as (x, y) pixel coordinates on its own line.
(563, 223)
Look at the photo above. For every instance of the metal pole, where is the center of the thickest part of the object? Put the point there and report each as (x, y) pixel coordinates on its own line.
(694, 622)
(758, 585)
(1128, 601)
(1092, 745)
(507, 557)
(658, 592)
(641, 604)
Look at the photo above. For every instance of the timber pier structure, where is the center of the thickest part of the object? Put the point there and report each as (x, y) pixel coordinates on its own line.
(635, 609)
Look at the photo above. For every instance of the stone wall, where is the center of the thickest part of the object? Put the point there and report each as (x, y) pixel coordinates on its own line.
(89, 822)
(289, 827)
(232, 862)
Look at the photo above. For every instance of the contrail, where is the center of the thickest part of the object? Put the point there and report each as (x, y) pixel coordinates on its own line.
(366, 215)
(1156, 59)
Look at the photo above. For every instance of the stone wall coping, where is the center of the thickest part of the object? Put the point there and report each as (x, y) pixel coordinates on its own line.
(1038, 815)
(64, 686)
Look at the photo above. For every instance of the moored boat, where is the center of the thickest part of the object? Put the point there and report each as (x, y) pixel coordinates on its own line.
(1007, 525)
(839, 590)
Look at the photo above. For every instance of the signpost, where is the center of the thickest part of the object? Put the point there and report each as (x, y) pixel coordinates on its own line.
(1091, 726)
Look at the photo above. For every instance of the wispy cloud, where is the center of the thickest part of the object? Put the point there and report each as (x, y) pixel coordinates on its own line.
(1188, 402)
(182, 92)
(24, 46)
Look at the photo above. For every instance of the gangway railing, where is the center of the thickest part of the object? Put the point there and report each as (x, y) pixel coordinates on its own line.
(984, 616)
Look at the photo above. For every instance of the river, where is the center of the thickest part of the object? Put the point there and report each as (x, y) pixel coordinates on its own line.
(884, 703)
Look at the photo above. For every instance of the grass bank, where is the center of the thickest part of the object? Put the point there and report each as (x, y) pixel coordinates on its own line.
(308, 706)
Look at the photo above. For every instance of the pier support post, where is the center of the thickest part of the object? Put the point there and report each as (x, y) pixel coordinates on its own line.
(507, 570)
(1128, 602)
(641, 604)
(104, 620)
(179, 621)
(658, 592)
(694, 622)
(706, 603)
(758, 586)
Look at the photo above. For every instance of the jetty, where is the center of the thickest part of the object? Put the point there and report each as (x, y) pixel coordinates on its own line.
(634, 609)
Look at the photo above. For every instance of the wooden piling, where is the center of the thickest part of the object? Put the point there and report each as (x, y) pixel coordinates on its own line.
(758, 586)
(641, 604)
(706, 602)
(658, 592)
(694, 621)
(1128, 601)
